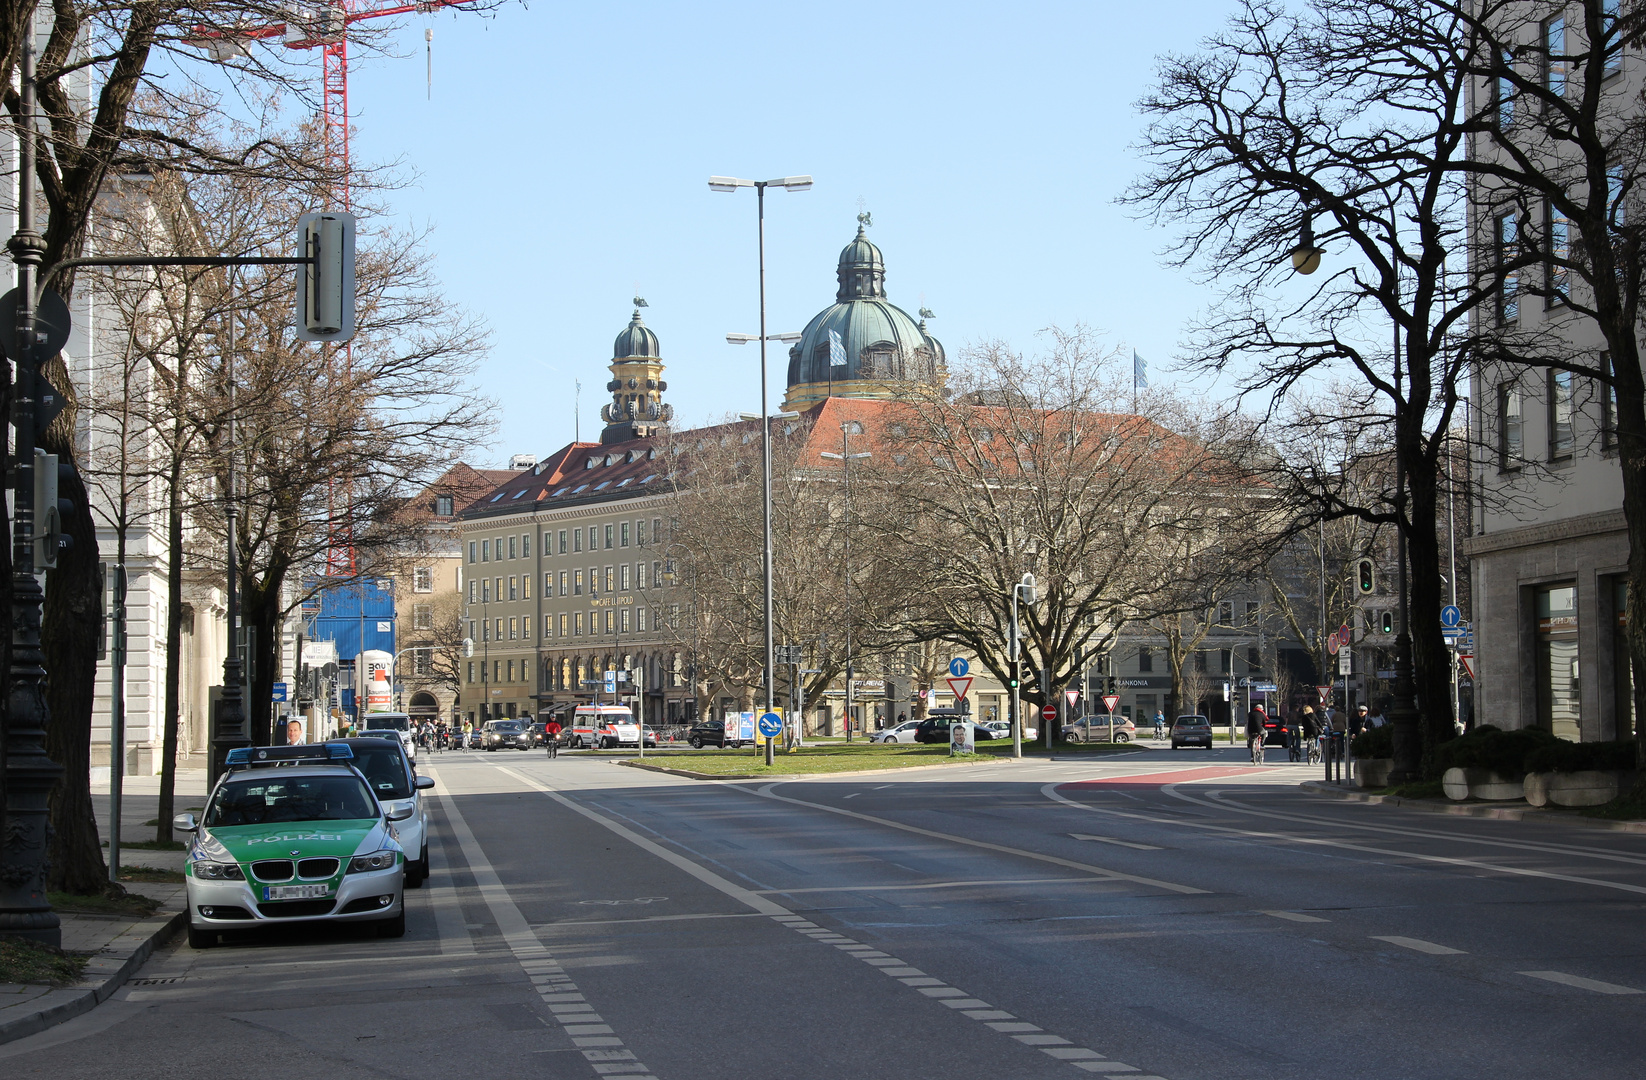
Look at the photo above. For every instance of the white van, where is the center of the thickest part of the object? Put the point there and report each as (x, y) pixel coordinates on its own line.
(604, 726)
(393, 721)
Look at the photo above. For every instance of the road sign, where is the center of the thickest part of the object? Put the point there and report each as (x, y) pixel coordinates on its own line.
(958, 667)
(1324, 692)
(961, 685)
(1345, 661)
(1450, 615)
(1048, 712)
(1345, 634)
(1111, 702)
(1468, 663)
(1071, 695)
(279, 692)
(1333, 643)
(771, 725)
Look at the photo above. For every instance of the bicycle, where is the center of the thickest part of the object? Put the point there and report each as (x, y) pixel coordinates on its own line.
(1256, 742)
(1316, 754)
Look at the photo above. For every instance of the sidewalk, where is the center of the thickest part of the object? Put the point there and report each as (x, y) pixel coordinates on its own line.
(1505, 811)
(119, 945)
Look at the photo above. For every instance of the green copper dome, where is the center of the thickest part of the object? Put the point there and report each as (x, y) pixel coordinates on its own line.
(636, 340)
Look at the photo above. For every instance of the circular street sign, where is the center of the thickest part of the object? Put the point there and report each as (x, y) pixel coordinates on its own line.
(1048, 713)
(771, 725)
(1450, 616)
(958, 667)
(1345, 635)
(1333, 643)
(51, 322)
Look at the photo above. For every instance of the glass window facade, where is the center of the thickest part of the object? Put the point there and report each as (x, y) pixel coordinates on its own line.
(1559, 703)
(1562, 440)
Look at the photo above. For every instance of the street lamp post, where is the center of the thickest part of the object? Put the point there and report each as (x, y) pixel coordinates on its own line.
(1025, 589)
(231, 718)
(846, 457)
(787, 183)
(766, 512)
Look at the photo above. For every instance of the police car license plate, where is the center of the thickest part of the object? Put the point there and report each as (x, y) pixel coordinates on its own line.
(295, 892)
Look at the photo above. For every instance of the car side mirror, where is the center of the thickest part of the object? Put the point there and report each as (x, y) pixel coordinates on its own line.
(400, 813)
(424, 783)
(185, 822)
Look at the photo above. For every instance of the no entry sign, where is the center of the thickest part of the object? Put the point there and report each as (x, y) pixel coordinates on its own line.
(1048, 712)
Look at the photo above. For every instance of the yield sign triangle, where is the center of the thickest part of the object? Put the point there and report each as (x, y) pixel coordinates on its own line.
(1468, 663)
(1071, 695)
(961, 686)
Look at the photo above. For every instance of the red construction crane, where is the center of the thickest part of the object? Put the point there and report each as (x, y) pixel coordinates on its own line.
(324, 27)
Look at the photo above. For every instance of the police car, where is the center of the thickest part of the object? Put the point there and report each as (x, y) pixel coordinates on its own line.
(293, 834)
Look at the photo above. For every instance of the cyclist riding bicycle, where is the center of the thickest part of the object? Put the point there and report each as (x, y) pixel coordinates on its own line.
(1159, 724)
(551, 736)
(1255, 731)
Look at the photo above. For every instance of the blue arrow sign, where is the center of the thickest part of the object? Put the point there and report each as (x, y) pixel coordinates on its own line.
(958, 667)
(771, 725)
(1450, 615)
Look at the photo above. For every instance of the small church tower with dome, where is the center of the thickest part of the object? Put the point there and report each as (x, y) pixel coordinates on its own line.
(636, 410)
(863, 346)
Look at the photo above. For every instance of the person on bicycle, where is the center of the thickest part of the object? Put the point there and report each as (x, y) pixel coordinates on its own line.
(1255, 731)
(1159, 724)
(551, 736)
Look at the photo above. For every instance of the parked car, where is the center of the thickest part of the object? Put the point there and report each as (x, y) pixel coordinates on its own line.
(902, 733)
(1003, 730)
(935, 728)
(1098, 729)
(710, 733)
(393, 779)
(505, 735)
(1191, 731)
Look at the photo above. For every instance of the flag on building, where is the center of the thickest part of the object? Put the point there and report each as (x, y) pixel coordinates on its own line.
(837, 350)
(1140, 371)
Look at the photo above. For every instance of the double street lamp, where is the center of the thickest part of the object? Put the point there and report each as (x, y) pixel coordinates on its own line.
(730, 184)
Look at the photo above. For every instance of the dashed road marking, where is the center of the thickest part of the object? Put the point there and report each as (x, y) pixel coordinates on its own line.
(1580, 982)
(1293, 916)
(1419, 945)
(1112, 840)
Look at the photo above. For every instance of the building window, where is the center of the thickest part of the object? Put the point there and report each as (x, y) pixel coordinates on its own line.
(1251, 612)
(623, 535)
(577, 540)
(1506, 231)
(609, 531)
(514, 589)
(564, 620)
(562, 541)
(485, 551)
(1253, 661)
(485, 590)
(422, 617)
(1225, 613)
(471, 590)
(485, 630)
(1614, 48)
(657, 575)
(623, 578)
(499, 590)
(443, 506)
(1503, 90)
(499, 630)
(1559, 229)
(471, 550)
(471, 671)
(510, 671)
(1145, 659)
(471, 629)
(594, 538)
(1562, 441)
(525, 545)
(1510, 427)
(577, 583)
(423, 579)
(623, 617)
(423, 663)
(640, 532)
(577, 624)
(1558, 704)
(562, 583)
(1554, 59)
(640, 620)
(657, 530)
(526, 627)
(548, 542)
(1200, 661)
(525, 586)
(1608, 406)
(511, 548)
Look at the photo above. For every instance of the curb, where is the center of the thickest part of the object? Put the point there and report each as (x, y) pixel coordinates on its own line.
(649, 767)
(1479, 810)
(107, 972)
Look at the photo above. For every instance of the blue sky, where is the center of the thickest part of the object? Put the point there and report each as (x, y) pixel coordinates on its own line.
(562, 163)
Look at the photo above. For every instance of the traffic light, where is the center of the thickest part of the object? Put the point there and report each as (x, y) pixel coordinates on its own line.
(1366, 577)
(325, 285)
(49, 538)
(1388, 622)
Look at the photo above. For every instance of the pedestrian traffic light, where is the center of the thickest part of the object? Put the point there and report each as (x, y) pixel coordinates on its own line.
(49, 538)
(1367, 580)
(325, 284)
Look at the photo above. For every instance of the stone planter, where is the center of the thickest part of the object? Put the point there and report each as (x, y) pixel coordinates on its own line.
(1373, 772)
(1588, 788)
(1460, 784)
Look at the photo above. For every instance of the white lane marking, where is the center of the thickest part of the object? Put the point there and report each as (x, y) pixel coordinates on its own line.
(1116, 875)
(1112, 840)
(1049, 791)
(1580, 982)
(853, 795)
(782, 916)
(442, 895)
(1419, 945)
(596, 1039)
(1293, 916)
(933, 885)
(737, 892)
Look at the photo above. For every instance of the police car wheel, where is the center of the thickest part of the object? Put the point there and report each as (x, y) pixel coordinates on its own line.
(202, 939)
(395, 927)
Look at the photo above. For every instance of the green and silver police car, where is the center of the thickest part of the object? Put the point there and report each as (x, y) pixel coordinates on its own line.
(293, 834)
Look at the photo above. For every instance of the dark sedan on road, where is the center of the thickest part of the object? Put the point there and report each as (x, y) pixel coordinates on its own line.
(709, 733)
(935, 729)
(505, 735)
(1191, 731)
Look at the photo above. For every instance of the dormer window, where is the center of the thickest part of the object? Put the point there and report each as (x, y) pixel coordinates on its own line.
(610, 458)
(592, 463)
(443, 505)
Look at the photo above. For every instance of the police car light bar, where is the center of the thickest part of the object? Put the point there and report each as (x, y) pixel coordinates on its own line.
(270, 755)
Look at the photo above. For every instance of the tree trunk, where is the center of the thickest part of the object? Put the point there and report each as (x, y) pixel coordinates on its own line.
(260, 608)
(1431, 660)
(1631, 433)
(68, 635)
(172, 713)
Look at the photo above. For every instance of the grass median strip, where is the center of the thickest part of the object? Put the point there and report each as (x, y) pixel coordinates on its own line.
(836, 757)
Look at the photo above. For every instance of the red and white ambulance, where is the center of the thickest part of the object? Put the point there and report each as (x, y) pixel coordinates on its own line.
(605, 727)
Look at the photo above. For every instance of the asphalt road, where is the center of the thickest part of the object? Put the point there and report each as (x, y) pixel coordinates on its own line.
(1170, 915)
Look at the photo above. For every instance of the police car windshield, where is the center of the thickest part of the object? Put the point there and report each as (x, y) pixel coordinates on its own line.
(263, 799)
(384, 767)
